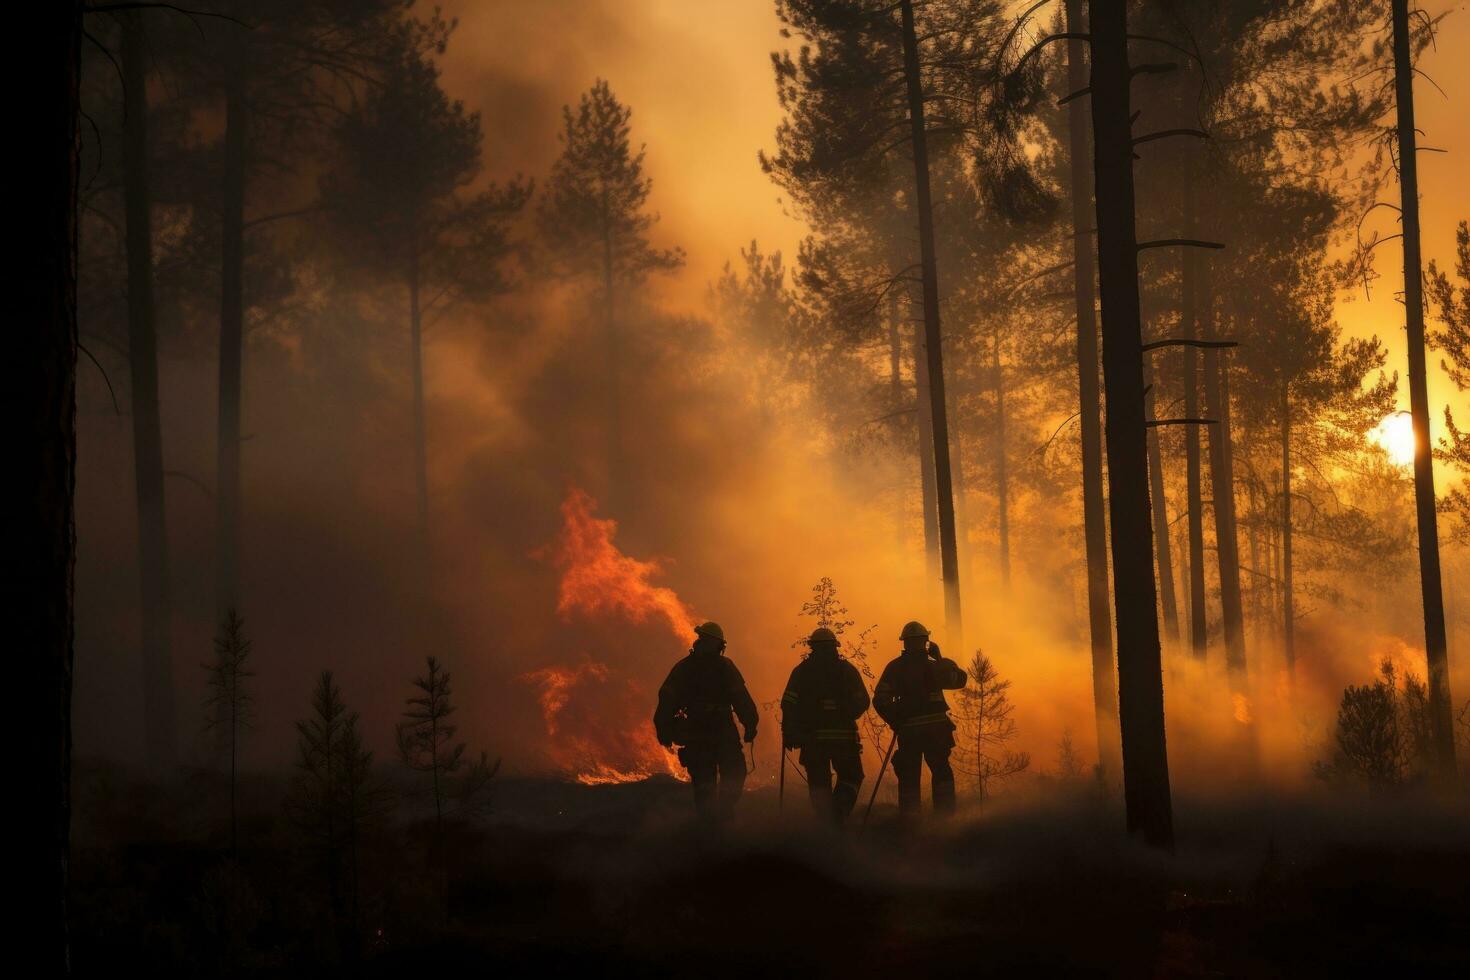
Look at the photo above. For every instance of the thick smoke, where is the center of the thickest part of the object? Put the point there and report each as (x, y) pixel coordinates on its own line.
(736, 515)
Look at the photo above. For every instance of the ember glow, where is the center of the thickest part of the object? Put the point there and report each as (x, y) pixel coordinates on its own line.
(1242, 708)
(597, 715)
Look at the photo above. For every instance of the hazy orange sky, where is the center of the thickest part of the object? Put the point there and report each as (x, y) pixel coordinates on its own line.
(697, 75)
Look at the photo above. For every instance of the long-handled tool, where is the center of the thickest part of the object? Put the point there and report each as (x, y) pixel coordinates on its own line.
(781, 786)
(892, 741)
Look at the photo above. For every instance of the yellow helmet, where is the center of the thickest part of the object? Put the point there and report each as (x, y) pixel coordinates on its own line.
(711, 630)
(913, 629)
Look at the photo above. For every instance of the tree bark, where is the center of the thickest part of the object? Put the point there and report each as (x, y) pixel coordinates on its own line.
(43, 535)
(948, 557)
(1188, 317)
(231, 335)
(1222, 497)
(1160, 516)
(928, 494)
(897, 402)
(1094, 526)
(1431, 585)
(1288, 599)
(1140, 671)
(159, 727)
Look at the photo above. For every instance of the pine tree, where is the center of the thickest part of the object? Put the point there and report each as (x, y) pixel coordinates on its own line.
(1453, 341)
(228, 709)
(426, 738)
(398, 195)
(153, 576)
(334, 799)
(279, 72)
(1436, 640)
(986, 726)
(1308, 386)
(315, 799)
(595, 222)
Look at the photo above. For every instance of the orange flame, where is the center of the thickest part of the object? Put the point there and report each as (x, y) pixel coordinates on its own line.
(597, 721)
(597, 578)
(602, 741)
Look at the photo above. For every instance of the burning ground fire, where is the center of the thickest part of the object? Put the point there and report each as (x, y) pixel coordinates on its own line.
(597, 718)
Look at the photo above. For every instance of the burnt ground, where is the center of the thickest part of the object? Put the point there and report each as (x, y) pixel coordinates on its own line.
(567, 879)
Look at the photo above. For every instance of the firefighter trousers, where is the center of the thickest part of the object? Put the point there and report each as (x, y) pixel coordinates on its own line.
(717, 773)
(929, 744)
(821, 760)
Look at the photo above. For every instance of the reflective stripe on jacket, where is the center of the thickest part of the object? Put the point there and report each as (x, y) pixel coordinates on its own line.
(823, 701)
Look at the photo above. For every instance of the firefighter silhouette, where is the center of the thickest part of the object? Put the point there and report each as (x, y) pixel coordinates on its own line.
(819, 712)
(695, 706)
(910, 699)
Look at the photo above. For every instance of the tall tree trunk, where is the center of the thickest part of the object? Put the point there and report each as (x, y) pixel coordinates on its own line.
(897, 401)
(1094, 526)
(1222, 497)
(948, 557)
(43, 535)
(1253, 531)
(420, 434)
(1160, 514)
(1140, 670)
(1188, 316)
(1431, 586)
(1288, 599)
(160, 736)
(928, 495)
(961, 495)
(231, 334)
(1002, 478)
(616, 476)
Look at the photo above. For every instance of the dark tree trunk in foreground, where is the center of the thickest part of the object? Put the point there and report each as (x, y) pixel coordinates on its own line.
(231, 336)
(1222, 497)
(1095, 532)
(1288, 599)
(1188, 316)
(1140, 672)
(420, 437)
(1435, 645)
(159, 726)
(1160, 515)
(43, 537)
(948, 557)
(926, 455)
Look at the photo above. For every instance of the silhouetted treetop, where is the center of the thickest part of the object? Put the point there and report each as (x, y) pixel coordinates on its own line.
(593, 206)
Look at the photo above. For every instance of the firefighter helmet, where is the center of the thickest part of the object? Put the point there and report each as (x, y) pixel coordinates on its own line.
(912, 630)
(711, 630)
(823, 635)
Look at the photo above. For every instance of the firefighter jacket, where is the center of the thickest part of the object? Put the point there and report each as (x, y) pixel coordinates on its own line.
(910, 694)
(823, 701)
(696, 701)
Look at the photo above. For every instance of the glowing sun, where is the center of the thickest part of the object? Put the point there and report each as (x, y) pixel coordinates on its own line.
(1396, 435)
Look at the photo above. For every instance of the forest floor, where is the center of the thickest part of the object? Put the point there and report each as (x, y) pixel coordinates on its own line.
(564, 879)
